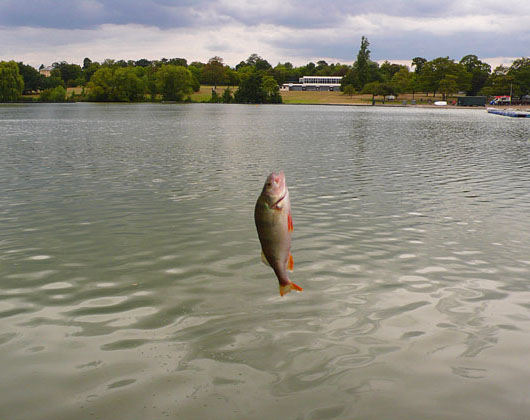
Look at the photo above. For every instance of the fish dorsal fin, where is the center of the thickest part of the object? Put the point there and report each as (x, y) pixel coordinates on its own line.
(290, 262)
(264, 259)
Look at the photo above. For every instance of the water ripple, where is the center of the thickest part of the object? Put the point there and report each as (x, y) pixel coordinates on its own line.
(132, 281)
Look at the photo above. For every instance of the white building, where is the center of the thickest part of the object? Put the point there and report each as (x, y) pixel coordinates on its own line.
(315, 83)
(46, 71)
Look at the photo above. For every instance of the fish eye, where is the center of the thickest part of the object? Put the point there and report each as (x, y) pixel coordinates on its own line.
(268, 184)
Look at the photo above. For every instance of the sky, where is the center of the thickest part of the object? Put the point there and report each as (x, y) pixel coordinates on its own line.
(298, 31)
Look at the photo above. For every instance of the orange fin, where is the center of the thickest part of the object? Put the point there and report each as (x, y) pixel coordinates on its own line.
(288, 287)
(290, 263)
(290, 226)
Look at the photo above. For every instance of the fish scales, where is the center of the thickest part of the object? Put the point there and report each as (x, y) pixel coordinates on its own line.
(274, 224)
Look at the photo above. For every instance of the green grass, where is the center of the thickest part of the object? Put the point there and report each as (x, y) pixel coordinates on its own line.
(205, 93)
(313, 97)
(302, 97)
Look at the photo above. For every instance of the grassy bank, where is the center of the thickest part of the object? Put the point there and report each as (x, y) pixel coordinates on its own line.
(293, 97)
(311, 97)
(205, 93)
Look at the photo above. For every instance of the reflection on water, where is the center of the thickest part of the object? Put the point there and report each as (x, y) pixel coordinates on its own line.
(131, 283)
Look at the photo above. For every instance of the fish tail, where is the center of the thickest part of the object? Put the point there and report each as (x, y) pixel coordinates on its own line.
(288, 287)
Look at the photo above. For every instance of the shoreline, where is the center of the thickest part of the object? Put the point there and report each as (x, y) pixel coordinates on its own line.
(389, 104)
(359, 105)
(332, 98)
(350, 104)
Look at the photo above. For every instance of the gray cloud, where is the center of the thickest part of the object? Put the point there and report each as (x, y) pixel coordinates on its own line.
(82, 14)
(406, 46)
(289, 30)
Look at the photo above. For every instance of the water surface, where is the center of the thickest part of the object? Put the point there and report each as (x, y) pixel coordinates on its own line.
(131, 285)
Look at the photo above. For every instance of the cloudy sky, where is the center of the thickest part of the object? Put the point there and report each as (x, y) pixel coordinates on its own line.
(43, 31)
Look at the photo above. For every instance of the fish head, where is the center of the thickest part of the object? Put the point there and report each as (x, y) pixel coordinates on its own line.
(275, 188)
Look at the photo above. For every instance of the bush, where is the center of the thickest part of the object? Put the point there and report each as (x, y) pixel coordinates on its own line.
(215, 99)
(227, 96)
(57, 94)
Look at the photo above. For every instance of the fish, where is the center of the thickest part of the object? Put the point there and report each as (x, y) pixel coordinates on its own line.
(274, 224)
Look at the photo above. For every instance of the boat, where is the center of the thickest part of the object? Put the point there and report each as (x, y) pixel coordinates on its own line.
(516, 113)
(440, 103)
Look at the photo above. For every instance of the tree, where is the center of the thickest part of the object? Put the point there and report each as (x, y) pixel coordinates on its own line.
(174, 82)
(257, 62)
(349, 79)
(33, 80)
(349, 90)
(150, 82)
(388, 70)
(196, 69)
(520, 71)
(362, 64)
(215, 97)
(448, 85)
(363, 71)
(68, 72)
(214, 73)
(500, 82)
(435, 70)
(281, 73)
(250, 90)
(11, 82)
(53, 81)
(232, 77)
(418, 62)
(90, 69)
(109, 62)
(271, 89)
(309, 69)
(339, 69)
(178, 62)
(86, 63)
(101, 85)
(374, 89)
(479, 71)
(322, 68)
(57, 94)
(130, 86)
(379, 89)
(143, 62)
(118, 84)
(427, 78)
(241, 65)
(227, 97)
(387, 89)
(402, 80)
(414, 84)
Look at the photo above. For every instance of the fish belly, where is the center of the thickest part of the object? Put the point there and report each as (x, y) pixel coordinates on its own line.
(274, 237)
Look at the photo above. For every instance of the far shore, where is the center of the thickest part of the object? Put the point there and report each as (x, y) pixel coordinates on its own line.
(420, 99)
(340, 99)
(333, 98)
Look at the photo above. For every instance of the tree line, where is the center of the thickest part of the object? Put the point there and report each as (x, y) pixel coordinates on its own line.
(255, 80)
(132, 81)
(470, 76)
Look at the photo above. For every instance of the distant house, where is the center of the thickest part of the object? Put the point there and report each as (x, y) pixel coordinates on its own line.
(46, 71)
(315, 83)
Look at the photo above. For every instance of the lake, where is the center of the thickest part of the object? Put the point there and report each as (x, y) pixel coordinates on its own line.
(131, 285)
